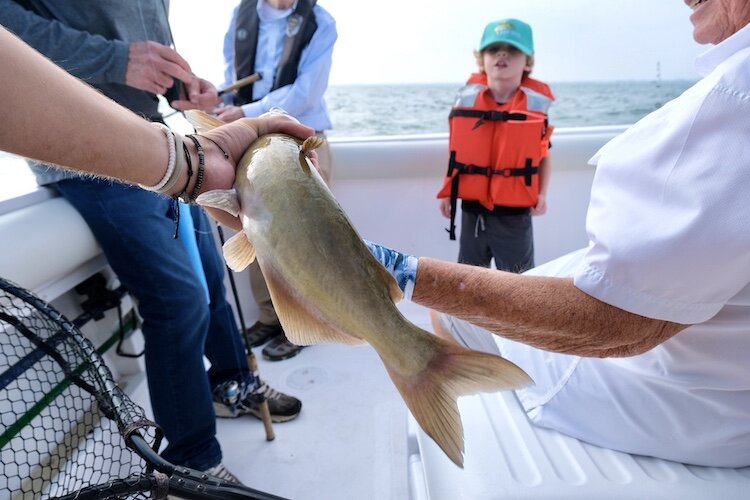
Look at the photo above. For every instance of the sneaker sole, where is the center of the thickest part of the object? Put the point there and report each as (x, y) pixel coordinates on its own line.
(274, 418)
(224, 412)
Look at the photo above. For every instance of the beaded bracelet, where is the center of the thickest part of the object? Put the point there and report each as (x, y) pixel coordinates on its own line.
(184, 196)
(201, 168)
(171, 162)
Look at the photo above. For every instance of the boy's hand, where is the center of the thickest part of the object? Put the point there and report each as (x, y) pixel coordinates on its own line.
(444, 204)
(541, 205)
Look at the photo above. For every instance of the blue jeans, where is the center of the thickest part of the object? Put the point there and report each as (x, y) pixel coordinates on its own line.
(135, 229)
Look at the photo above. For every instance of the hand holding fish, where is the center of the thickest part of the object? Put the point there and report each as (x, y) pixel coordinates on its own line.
(234, 139)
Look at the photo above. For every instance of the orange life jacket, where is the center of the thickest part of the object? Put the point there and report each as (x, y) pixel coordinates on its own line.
(496, 149)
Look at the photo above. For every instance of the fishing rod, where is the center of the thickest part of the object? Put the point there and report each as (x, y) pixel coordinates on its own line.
(242, 82)
(252, 361)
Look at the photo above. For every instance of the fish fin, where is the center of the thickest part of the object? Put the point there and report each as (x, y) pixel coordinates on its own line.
(387, 279)
(223, 199)
(312, 142)
(300, 325)
(238, 252)
(431, 395)
(201, 120)
(390, 282)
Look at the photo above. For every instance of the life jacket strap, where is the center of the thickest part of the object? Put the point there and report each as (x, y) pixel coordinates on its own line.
(454, 197)
(487, 115)
(527, 171)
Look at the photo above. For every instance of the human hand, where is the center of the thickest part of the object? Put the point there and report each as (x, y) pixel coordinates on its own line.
(445, 207)
(229, 113)
(235, 138)
(541, 205)
(153, 67)
(200, 93)
(403, 267)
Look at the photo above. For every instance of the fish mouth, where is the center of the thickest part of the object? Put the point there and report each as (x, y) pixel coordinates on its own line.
(693, 4)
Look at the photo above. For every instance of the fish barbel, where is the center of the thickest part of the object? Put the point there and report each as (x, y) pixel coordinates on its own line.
(326, 286)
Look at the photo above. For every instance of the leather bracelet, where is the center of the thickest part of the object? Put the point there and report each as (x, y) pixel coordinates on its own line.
(201, 168)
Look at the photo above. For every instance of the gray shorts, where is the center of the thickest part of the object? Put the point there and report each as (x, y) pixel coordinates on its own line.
(508, 239)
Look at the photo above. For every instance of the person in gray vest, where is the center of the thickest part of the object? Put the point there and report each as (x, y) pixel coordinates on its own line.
(289, 43)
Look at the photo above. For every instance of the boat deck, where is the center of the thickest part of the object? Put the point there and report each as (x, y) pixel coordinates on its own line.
(348, 442)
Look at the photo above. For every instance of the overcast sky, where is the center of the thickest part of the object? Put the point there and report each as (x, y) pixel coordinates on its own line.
(419, 41)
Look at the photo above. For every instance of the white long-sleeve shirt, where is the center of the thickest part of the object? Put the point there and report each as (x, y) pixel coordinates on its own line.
(303, 99)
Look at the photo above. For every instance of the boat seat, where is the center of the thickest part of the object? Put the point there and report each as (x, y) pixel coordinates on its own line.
(509, 457)
(47, 247)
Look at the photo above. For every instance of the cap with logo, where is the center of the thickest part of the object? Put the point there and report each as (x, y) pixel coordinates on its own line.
(511, 31)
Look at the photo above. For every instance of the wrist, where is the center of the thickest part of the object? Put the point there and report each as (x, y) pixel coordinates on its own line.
(409, 276)
(195, 180)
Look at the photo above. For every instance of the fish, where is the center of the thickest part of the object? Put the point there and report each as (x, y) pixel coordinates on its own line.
(327, 287)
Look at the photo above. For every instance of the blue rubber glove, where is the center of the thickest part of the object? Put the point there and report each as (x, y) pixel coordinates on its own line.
(402, 266)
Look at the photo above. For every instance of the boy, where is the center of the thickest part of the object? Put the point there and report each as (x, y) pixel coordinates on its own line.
(499, 141)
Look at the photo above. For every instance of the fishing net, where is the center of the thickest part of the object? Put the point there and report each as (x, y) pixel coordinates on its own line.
(64, 423)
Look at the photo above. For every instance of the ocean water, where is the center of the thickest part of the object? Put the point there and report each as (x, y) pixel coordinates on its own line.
(370, 110)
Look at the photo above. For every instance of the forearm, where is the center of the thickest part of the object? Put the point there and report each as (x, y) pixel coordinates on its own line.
(89, 57)
(545, 312)
(80, 127)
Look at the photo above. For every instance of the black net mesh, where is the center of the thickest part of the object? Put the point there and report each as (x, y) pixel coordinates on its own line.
(62, 417)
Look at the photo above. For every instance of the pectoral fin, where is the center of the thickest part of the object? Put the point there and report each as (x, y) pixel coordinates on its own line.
(387, 280)
(223, 199)
(300, 325)
(238, 252)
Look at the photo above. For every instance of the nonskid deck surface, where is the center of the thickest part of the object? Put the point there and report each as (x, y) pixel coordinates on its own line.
(350, 441)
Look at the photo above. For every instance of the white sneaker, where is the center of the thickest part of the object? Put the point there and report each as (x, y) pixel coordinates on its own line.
(221, 472)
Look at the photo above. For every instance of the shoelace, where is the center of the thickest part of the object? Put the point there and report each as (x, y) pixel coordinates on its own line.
(267, 391)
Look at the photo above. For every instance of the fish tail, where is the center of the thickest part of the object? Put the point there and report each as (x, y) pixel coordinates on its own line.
(431, 394)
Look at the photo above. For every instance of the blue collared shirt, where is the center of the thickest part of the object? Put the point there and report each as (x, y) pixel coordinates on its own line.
(303, 99)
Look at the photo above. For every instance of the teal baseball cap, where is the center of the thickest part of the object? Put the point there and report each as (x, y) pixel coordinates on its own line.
(512, 31)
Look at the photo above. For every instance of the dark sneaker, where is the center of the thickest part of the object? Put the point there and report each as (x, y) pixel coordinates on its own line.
(280, 348)
(260, 333)
(232, 401)
(221, 472)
